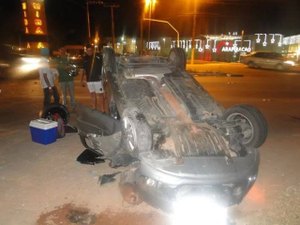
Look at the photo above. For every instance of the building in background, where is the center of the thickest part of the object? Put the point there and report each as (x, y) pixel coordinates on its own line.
(226, 48)
(35, 27)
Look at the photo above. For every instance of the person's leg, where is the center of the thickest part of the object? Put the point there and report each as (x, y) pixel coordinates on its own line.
(101, 102)
(71, 93)
(46, 97)
(100, 95)
(63, 87)
(55, 95)
(94, 100)
(91, 88)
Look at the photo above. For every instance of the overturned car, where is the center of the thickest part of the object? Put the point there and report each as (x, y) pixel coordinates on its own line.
(174, 137)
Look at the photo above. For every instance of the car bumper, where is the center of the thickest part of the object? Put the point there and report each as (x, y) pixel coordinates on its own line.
(226, 182)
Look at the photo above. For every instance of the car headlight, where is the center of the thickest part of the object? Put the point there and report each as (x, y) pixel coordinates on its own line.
(289, 62)
(195, 210)
(29, 64)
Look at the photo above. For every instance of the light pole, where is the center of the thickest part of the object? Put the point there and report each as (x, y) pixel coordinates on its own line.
(88, 20)
(167, 22)
(149, 5)
(111, 6)
(193, 32)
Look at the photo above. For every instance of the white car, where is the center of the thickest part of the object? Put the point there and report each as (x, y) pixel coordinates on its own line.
(267, 60)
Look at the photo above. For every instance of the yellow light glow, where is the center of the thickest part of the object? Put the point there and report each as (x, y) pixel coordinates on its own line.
(150, 5)
(40, 45)
(24, 5)
(37, 14)
(25, 22)
(39, 30)
(36, 6)
(24, 14)
(38, 22)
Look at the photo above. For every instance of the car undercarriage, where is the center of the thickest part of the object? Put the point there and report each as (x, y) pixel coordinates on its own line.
(173, 137)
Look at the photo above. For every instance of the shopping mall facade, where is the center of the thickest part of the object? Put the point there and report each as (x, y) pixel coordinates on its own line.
(226, 48)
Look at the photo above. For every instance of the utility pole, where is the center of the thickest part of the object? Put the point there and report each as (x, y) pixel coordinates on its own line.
(89, 2)
(193, 33)
(106, 5)
(112, 6)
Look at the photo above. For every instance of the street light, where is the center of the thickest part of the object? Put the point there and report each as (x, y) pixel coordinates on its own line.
(149, 5)
(167, 22)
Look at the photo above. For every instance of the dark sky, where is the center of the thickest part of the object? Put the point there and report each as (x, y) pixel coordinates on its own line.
(67, 22)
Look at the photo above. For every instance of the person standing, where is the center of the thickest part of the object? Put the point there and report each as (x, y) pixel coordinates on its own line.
(66, 80)
(47, 79)
(92, 75)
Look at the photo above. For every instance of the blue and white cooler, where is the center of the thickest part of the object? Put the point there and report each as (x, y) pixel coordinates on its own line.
(43, 131)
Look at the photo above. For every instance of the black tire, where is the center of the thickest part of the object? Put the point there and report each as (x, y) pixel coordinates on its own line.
(251, 123)
(56, 108)
(177, 58)
(279, 67)
(109, 60)
(136, 133)
(252, 65)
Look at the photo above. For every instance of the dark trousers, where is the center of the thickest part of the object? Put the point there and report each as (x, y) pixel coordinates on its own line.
(47, 96)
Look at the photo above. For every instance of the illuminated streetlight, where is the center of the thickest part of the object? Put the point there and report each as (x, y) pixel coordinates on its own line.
(149, 7)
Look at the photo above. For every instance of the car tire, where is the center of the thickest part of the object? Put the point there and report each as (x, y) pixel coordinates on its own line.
(252, 65)
(136, 133)
(59, 109)
(177, 58)
(279, 67)
(252, 124)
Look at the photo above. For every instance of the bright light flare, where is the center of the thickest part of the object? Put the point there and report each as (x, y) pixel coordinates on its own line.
(290, 62)
(150, 5)
(193, 210)
(29, 64)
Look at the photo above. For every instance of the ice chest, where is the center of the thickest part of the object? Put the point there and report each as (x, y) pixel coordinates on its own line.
(43, 131)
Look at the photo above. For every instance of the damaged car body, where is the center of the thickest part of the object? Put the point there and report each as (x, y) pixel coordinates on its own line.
(174, 137)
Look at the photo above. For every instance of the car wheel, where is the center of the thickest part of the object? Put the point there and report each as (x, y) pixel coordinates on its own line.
(136, 133)
(252, 64)
(279, 67)
(250, 123)
(177, 58)
(58, 109)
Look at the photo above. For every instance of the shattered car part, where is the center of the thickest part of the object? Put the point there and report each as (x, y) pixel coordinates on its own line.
(183, 140)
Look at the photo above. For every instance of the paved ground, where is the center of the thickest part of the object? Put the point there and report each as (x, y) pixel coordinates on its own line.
(46, 185)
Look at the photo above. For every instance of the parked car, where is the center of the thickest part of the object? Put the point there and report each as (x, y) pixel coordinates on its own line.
(182, 141)
(267, 60)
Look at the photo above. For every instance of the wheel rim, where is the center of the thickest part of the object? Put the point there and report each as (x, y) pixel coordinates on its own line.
(247, 128)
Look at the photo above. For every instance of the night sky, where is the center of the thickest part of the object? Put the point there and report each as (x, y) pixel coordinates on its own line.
(67, 22)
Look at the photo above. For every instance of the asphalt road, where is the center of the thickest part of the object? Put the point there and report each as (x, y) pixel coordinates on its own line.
(36, 179)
